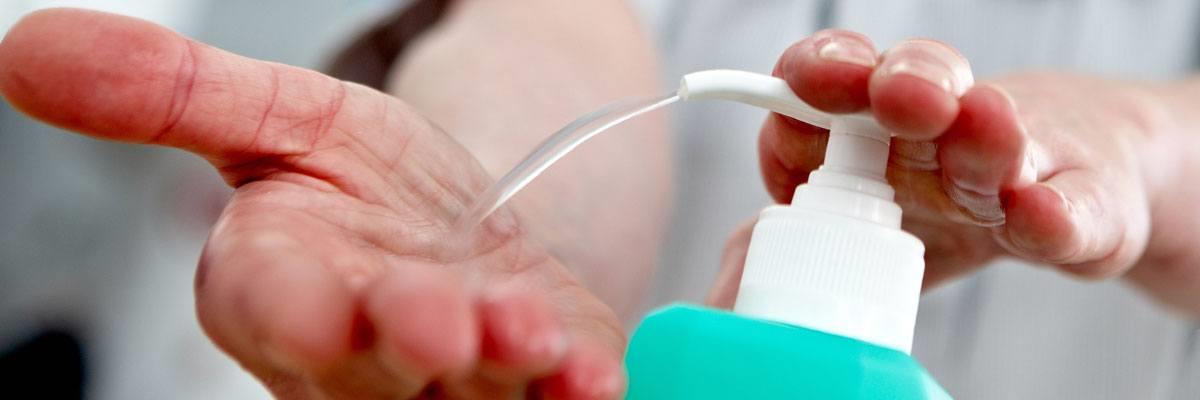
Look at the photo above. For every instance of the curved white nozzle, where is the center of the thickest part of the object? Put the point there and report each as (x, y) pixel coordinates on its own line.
(750, 88)
(855, 157)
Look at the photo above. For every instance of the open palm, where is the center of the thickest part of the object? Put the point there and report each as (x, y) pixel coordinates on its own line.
(333, 272)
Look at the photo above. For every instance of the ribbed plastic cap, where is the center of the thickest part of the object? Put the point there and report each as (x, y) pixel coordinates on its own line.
(835, 274)
(836, 259)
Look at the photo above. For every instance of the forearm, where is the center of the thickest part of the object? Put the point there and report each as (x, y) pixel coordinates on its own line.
(501, 76)
(1170, 267)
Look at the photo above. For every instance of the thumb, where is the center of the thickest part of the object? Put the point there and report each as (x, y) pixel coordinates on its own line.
(129, 80)
(725, 288)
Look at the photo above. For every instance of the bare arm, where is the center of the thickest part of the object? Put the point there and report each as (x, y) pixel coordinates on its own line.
(501, 76)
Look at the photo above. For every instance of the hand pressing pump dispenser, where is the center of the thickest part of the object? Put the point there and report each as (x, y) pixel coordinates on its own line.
(828, 299)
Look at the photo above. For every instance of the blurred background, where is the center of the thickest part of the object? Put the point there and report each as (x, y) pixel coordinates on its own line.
(99, 241)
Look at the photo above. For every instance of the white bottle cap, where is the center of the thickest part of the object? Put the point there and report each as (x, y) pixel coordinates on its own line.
(835, 260)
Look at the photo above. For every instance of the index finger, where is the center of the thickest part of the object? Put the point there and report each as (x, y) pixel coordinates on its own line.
(916, 87)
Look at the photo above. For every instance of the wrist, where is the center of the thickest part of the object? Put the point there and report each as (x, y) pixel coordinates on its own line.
(1168, 158)
(1158, 123)
(1170, 162)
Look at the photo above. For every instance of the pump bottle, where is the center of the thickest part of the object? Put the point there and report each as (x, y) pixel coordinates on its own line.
(828, 298)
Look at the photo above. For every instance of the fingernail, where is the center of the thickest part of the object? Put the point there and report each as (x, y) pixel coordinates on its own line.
(983, 209)
(930, 71)
(1067, 206)
(550, 344)
(847, 51)
(1051, 247)
(607, 385)
(930, 61)
(915, 155)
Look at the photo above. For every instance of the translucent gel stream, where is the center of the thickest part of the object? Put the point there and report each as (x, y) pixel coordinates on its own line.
(554, 148)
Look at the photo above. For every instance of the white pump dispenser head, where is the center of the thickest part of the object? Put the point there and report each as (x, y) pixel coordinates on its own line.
(835, 260)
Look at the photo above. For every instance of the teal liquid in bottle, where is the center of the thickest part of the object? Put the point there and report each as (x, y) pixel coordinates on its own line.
(690, 352)
(828, 298)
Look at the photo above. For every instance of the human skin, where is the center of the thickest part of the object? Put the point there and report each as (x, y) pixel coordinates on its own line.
(334, 272)
(1094, 177)
(611, 193)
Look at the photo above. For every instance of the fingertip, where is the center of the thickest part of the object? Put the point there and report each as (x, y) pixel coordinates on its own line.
(589, 372)
(780, 182)
(1038, 224)
(270, 306)
(89, 71)
(913, 108)
(305, 317)
(724, 291)
(788, 151)
(985, 149)
(1087, 223)
(522, 335)
(425, 321)
(914, 91)
(16, 44)
(830, 70)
